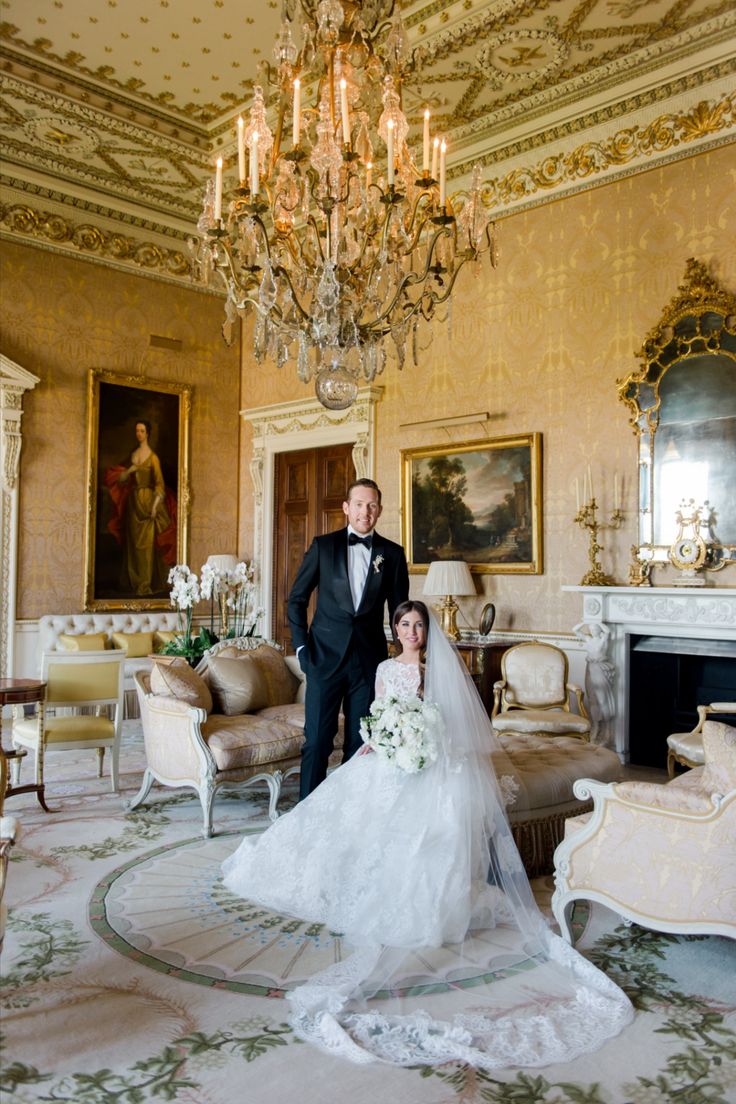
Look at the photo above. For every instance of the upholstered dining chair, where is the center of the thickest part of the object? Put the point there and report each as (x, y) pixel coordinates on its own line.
(74, 681)
(533, 693)
(686, 748)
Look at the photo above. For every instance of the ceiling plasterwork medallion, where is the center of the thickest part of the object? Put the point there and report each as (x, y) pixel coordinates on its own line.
(61, 134)
(520, 55)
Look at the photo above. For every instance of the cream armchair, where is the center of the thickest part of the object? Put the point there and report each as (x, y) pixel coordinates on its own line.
(663, 856)
(533, 694)
(686, 748)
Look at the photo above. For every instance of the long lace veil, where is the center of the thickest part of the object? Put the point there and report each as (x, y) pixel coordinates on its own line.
(501, 990)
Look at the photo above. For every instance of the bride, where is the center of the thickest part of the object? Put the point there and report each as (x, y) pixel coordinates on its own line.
(448, 956)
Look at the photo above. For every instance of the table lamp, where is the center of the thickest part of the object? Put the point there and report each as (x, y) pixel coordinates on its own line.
(447, 578)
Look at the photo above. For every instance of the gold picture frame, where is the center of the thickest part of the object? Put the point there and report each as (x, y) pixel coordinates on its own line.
(479, 501)
(137, 489)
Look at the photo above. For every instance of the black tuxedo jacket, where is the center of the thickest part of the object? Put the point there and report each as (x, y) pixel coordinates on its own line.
(336, 624)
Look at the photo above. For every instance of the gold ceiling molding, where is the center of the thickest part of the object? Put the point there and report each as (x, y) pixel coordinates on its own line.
(663, 135)
(23, 221)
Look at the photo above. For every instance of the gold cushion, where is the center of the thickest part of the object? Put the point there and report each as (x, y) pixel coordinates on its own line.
(162, 638)
(134, 644)
(282, 684)
(84, 642)
(247, 741)
(237, 684)
(66, 729)
(176, 679)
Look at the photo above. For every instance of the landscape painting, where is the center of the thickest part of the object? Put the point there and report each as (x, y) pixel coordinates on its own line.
(480, 502)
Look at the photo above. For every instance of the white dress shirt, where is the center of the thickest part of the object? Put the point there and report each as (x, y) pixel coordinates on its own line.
(359, 559)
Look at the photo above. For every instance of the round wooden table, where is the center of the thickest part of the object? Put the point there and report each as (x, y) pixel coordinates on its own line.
(15, 691)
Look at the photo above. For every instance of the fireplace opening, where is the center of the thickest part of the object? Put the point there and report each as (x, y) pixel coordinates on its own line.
(669, 679)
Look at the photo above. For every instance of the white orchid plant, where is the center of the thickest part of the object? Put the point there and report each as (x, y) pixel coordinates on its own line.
(235, 592)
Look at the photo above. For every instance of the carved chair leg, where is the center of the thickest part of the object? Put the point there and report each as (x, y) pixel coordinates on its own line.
(274, 785)
(100, 761)
(148, 780)
(561, 911)
(114, 767)
(207, 797)
(670, 764)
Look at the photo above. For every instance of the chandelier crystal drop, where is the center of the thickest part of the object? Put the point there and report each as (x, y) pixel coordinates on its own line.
(334, 237)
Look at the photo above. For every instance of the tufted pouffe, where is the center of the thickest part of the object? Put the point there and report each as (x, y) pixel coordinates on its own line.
(545, 768)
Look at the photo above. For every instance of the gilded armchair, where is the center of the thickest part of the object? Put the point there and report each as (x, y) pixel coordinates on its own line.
(533, 694)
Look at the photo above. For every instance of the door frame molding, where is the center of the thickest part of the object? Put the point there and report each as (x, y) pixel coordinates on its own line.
(290, 427)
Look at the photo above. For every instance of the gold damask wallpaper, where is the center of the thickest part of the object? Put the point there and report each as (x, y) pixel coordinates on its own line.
(62, 317)
(539, 344)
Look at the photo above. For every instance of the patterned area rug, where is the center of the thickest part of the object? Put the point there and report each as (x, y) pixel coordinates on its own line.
(113, 916)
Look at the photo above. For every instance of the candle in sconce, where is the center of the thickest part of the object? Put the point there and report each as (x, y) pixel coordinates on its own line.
(368, 175)
(443, 174)
(390, 151)
(296, 122)
(345, 111)
(254, 165)
(435, 156)
(241, 151)
(218, 190)
(425, 144)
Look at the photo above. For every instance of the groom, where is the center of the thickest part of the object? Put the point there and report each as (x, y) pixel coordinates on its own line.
(356, 572)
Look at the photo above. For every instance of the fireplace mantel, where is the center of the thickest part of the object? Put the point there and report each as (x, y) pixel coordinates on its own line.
(703, 613)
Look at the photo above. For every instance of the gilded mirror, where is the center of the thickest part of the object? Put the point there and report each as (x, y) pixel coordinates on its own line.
(682, 404)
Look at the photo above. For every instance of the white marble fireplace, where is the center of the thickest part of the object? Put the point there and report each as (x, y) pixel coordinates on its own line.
(707, 615)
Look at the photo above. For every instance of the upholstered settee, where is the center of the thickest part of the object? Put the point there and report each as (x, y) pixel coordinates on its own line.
(238, 719)
(662, 855)
(138, 634)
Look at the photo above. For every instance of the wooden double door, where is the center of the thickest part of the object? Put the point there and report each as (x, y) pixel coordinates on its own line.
(310, 488)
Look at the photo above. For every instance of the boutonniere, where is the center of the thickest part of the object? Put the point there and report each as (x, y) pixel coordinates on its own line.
(377, 563)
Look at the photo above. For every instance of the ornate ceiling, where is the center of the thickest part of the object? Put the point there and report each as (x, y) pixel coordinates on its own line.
(114, 110)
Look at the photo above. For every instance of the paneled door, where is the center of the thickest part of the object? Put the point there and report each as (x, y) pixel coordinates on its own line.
(310, 489)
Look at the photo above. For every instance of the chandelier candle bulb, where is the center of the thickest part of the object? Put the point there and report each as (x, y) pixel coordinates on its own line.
(296, 124)
(241, 150)
(425, 145)
(254, 165)
(390, 151)
(443, 174)
(368, 175)
(344, 111)
(218, 190)
(435, 156)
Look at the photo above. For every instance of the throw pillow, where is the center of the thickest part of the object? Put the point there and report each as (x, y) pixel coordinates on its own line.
(719, 746)
(162, 638)
(134, 644)
(237, 684)
(281, 683)
(177, 680)
(83, 642)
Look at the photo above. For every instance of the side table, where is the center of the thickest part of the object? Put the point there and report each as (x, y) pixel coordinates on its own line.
(484, 664)
(25, 692)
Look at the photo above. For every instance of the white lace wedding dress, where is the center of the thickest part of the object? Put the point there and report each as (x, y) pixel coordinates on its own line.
(451, 958)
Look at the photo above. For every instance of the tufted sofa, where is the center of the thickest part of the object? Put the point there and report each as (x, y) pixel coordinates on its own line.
(52, 626)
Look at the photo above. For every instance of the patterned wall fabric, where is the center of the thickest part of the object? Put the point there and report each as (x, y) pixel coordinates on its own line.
(62, 317)
(540, 343)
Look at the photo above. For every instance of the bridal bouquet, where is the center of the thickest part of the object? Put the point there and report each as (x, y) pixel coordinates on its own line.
(402, 731)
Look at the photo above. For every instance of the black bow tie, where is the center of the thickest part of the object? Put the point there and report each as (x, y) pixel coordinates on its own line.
(353, 538)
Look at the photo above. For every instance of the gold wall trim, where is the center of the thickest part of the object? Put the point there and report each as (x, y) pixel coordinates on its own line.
(86, 239)
(666, 134)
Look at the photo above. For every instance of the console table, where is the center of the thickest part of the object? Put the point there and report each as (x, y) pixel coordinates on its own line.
(25, 692)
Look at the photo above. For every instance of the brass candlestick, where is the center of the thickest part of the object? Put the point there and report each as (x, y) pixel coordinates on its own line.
(586, 519)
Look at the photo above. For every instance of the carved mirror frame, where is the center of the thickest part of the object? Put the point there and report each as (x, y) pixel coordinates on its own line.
(696, 334)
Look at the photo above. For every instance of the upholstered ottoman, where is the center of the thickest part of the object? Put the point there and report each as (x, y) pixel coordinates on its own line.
(545, 767)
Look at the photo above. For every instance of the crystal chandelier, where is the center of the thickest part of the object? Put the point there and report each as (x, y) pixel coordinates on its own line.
(335, 238)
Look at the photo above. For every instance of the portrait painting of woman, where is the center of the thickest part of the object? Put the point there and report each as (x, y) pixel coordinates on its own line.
(137, 457)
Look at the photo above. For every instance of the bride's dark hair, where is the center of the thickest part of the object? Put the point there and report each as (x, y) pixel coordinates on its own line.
(411, 606)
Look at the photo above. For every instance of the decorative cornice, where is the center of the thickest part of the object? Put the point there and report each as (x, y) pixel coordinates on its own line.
(664, 134)
(86, 238)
